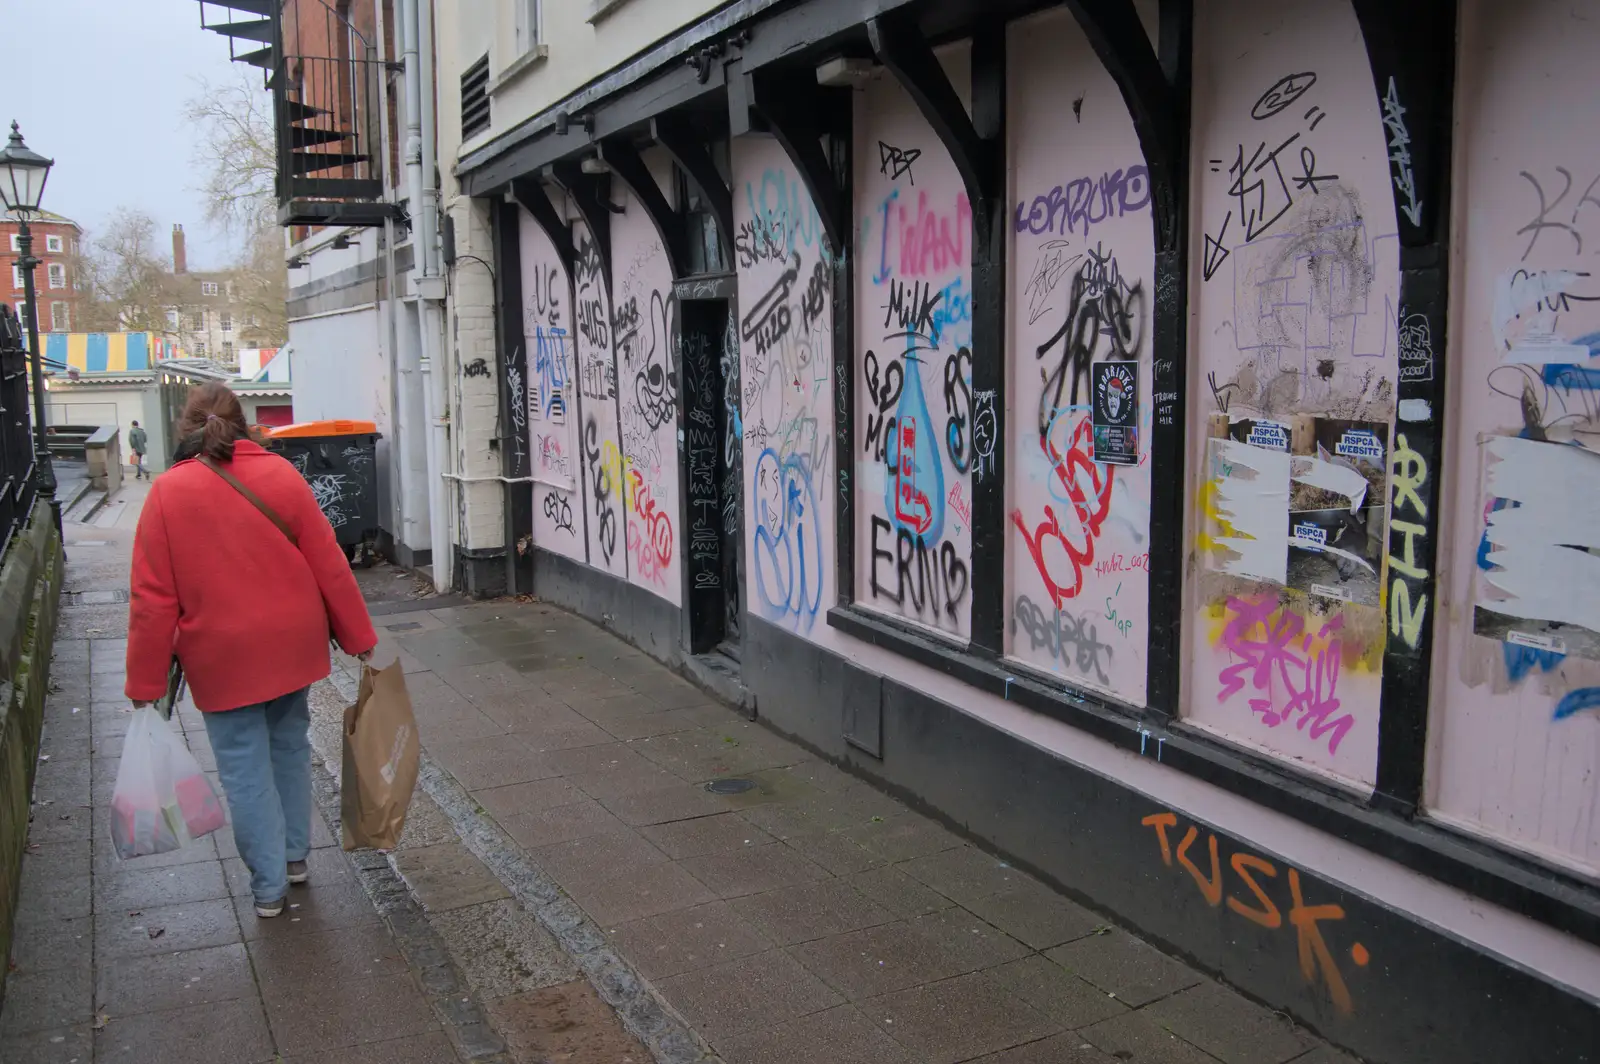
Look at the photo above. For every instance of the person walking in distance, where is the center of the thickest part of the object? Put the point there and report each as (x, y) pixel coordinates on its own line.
(237, 573)
(139, 442)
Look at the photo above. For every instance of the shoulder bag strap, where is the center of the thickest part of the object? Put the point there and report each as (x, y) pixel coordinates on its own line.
(252, 498)
(260, 504)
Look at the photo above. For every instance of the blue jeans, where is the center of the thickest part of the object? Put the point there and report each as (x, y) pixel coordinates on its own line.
(264, 759)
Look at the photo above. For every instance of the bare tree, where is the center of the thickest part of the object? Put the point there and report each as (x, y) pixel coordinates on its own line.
(237, 151)
(126, 274)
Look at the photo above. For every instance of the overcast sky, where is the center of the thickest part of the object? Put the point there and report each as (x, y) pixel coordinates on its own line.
(99, 86)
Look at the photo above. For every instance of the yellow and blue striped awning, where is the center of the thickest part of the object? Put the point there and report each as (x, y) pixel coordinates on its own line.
(98, 352)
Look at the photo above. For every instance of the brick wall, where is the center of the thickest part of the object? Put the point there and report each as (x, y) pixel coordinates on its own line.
(474, 380)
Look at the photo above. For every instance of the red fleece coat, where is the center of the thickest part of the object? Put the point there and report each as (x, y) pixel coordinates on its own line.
(216, 581)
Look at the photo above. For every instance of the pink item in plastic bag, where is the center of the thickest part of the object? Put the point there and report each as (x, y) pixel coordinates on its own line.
(162, 800)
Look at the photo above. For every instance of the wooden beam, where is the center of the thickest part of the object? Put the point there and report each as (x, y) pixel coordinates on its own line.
(625, 161)
(1414, 79)
(795, 110)
(688, 151)
(1119, 39)
(591, 194)
(529, 192)
(901, 47)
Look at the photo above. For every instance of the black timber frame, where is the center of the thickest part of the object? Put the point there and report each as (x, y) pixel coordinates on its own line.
(976, 145)
(516, 445)
(1154, 83)
(620, 154)
(591, 195)
(799, 114)
(530, 193)
(674, 135)
(1415, 82)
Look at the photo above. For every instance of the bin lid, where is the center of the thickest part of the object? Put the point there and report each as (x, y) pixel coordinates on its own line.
(325, 428)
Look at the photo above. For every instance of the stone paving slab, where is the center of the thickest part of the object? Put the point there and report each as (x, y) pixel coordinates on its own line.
(809, 918)
(162, 958)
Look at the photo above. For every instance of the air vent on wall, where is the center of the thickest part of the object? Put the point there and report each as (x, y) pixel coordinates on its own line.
(475, 99)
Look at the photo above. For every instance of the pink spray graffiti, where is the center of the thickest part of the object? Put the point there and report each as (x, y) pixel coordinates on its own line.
(1271, 643)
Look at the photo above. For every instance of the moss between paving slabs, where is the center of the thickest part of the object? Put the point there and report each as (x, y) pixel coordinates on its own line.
(31, 576)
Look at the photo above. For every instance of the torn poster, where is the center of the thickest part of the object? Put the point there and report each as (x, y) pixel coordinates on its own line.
(1337, 499)
(1539, 573)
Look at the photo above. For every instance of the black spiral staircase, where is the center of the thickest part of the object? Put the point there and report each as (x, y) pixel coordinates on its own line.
(325, 79)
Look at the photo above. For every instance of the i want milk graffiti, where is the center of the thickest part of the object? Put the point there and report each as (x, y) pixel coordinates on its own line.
(1251, 900)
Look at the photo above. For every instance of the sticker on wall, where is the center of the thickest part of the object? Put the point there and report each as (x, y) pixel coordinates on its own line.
(1269, 434)
(1116, 412)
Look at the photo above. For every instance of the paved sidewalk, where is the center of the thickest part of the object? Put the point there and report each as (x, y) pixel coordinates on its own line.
(803, 917)
(162, 958)
(569, 888)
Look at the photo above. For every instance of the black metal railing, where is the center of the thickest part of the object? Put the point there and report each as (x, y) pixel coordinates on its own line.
(18, 484)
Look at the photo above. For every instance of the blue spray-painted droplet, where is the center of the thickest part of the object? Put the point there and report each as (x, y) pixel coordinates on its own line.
(914, 494)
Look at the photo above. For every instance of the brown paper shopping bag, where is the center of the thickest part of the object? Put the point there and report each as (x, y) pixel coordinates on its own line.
(380, 761)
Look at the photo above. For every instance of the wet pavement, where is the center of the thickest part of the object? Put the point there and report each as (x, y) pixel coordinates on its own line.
(603, 865)
(768, 906)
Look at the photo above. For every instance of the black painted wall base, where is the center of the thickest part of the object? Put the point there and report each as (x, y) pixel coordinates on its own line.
(648, 621)
(1361, 973)
(481, 573)
(402, 555)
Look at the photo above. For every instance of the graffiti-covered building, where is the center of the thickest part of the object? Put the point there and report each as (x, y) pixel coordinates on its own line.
(1157, 437)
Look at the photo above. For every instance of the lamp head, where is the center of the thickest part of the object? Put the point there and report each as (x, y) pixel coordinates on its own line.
(23, 172)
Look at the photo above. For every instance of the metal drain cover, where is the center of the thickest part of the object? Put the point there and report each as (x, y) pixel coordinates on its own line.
(734, 786)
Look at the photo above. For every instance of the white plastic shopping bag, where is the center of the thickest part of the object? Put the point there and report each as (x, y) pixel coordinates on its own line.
(163, 800)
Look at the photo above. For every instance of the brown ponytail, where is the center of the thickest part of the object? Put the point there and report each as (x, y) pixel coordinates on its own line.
(212, 422)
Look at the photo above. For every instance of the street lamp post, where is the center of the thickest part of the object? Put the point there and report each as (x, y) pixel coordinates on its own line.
(23, 173)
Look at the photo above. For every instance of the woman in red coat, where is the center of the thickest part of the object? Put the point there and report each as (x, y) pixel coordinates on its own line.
(248, 607)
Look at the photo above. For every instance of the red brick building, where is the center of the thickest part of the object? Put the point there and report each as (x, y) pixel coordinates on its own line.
(55, 245)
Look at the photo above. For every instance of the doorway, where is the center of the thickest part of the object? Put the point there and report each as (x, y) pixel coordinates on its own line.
(713, 464)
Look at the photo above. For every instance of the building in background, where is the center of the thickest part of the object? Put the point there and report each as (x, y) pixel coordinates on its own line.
(55, 280)
(119, 378)
(213, 314)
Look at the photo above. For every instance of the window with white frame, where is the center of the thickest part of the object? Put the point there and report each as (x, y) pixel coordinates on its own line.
(208, 288)
(226, 322)
(16, 277)
(58, 275)
(54, 244)
(200, 349)
(227, 350)
(22, 312)
(16, 242)
(60, 318)
(172, 319)
(526, 25)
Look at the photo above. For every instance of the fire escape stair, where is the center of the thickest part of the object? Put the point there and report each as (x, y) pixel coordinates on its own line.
(308, 195)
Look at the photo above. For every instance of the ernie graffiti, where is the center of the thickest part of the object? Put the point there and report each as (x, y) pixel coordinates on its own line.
(1253, 892)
